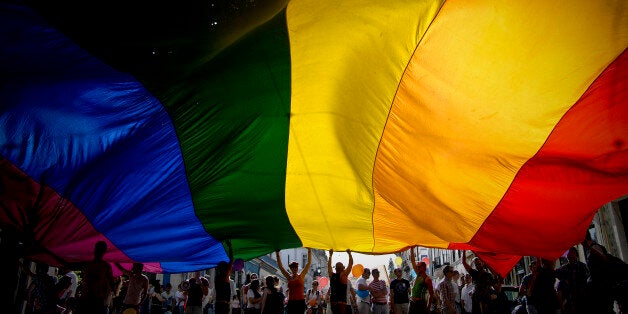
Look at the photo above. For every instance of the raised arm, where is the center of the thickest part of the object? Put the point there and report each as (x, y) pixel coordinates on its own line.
(347, 270)
(123, 270)
(415, 266)
(280, 264)
(464, 261)
(230, 266)
(330, 270)
(306, 268)
(230, 253)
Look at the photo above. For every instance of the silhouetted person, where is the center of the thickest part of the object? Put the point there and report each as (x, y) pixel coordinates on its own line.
(97, 283)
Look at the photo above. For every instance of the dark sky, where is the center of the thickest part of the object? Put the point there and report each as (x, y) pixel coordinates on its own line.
(148, 38)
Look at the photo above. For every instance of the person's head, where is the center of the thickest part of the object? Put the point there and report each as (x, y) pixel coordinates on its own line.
(42, 269)
(572, 255)
(254, 284)
(137, 268)
(99, 249)
(294, 267)
(478, 263)
(547, 263)
(375, 273)
(270, 282)
(468, 279)
(254, 276)
(157, 285)
(456, 276)
(421, 267)
(204, 280)
(366, 274)
(533, 265)
(314, 285)
(448, 271)
(340, 267)
(398, 273)
(168, 287)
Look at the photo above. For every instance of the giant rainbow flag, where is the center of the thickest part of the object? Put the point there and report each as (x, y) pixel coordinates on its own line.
(495, 126)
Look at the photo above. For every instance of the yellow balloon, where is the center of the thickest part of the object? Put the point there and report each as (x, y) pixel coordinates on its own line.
(398, 261)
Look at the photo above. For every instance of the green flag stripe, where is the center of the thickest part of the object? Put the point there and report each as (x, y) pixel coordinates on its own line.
(232, 117)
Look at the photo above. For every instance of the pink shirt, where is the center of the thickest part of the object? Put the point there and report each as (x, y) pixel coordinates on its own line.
(379, 291)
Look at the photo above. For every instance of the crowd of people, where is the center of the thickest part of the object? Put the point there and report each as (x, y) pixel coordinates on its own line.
(576, 287)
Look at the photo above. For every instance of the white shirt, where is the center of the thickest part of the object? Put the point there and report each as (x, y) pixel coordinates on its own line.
(349, 294)
(74, 278)
(313, 297)
(179, 297)
(467, 290)
(167, 296)
(362, 281)
(233, 287)
(207, 298)
(456, 290)
(250, 295)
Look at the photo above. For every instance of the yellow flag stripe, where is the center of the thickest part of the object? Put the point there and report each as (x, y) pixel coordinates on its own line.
(347, 60)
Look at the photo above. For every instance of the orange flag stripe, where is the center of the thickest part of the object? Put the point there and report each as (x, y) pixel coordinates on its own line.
(482, 93)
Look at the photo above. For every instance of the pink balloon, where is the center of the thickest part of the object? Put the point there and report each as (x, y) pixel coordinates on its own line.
(323, 282)
(426, 260)
(238, 264)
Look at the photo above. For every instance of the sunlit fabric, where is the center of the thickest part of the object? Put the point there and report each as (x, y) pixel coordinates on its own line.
(498, 127)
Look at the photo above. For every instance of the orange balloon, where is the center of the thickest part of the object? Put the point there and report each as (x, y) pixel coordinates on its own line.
(357, 270)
